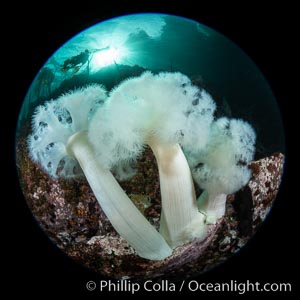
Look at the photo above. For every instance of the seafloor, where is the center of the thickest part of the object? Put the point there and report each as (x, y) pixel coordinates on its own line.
(70, 215)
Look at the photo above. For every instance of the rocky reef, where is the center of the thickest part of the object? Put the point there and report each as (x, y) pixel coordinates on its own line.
(71, 216)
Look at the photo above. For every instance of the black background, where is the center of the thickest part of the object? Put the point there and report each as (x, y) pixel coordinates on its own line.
(32, 265)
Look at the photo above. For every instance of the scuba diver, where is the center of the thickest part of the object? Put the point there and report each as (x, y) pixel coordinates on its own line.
(76, 62)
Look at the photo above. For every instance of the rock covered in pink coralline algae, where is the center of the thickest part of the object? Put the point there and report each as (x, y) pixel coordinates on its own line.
(71, 216)
(265, 183)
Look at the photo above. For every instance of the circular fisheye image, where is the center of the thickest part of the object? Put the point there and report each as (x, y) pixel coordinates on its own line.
(149, 146)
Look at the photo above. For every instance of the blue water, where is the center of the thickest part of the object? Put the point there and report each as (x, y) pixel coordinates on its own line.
(126, 46)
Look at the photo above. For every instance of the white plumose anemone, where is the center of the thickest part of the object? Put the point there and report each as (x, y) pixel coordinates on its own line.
(60, 144)
(164, 111)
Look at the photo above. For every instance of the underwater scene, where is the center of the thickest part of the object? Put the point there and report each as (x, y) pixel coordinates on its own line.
(150, 146)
